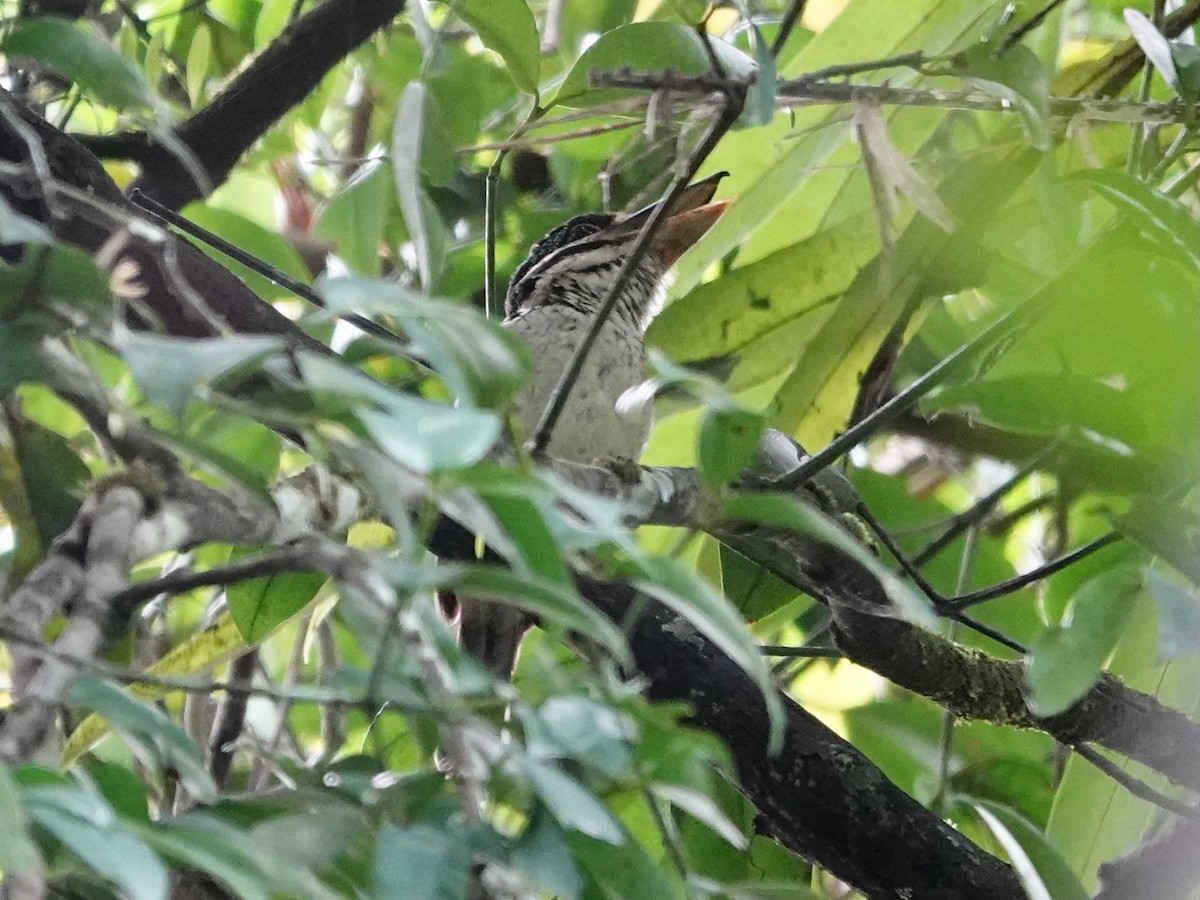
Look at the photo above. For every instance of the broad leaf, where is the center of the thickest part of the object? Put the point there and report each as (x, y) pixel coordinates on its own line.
(507, 27)
(82, 57)
(1066, 659)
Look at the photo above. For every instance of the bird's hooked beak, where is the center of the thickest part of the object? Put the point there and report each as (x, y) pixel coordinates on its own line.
(691, 216)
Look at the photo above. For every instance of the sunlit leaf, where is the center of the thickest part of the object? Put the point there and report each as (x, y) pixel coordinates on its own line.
(1156, 47)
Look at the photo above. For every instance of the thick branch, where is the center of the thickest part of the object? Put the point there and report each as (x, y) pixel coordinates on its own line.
(820, 796)
(282, 76)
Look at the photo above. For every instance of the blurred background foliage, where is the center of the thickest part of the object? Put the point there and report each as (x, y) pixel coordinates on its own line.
(855, 226)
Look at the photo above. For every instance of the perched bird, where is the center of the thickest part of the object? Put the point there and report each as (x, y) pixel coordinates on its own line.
(551, 302)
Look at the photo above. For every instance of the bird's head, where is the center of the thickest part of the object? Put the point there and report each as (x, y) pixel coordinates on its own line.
(577, 261)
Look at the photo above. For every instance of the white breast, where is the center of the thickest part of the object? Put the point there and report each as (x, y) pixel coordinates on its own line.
(590, 426)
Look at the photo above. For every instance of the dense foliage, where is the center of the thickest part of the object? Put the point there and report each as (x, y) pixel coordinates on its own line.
(964, 230)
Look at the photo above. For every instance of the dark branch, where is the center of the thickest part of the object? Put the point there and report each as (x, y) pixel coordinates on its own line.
(282, 76)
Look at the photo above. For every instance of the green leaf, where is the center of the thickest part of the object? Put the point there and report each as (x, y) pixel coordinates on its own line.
(508, 28)
(55, 274)
(728, 444)
(420, 215)
(149, 731)
(198, 58)
(580, 729)
(354, 217)
(1165, 530)
(1017, 76)
(1170, 222)
(571, 804)
(624, 872)
(543, 857)
(420, 862)
(204, 842)
(482, 363)
(79, 56)
(1041, 868)
(259, 605)
(1066, 659)
(1178, 615)
(430, 437)
(19, 345)
(53, 477)
(86, 825)
(17, 851)
(761, 315)
(170, 370)
(699, 804)
(542, 598)
(647, 47)
(1187, 67)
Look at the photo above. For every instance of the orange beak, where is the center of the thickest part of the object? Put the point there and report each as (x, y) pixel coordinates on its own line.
(683, 229)
(691, 216)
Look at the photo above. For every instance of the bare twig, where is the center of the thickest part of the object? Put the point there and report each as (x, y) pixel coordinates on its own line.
(1015, 584)
(1136, 786)
(787, 24)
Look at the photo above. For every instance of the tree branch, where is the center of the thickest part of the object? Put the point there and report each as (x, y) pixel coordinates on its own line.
(282, 75)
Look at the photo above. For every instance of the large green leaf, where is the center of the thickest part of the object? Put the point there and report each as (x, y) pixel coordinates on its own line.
(507, 27)
(420, 215)
(482, 363)
(171, 371)
(259, 605)
(80, 56)
(1038, 864)
(1066, 659)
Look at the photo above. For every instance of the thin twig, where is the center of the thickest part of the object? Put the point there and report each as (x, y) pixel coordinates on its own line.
(960, 522)
(489, 213)
(787, 24)
(785, 652)
(1136, 786)
(252, 262)
(908, 397)
(1015, 584)
(946, 738)
(1025, 27)
(806, 92)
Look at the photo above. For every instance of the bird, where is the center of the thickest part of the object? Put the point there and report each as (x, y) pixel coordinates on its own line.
(551, 302)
